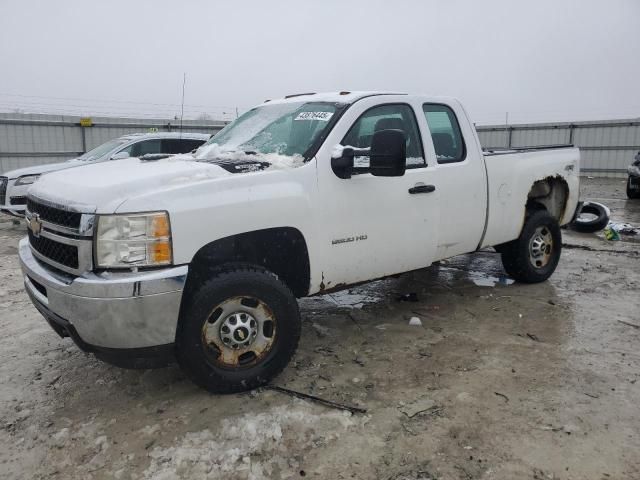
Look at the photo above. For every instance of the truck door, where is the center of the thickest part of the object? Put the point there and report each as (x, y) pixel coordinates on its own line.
(459, 175)
(376, 226)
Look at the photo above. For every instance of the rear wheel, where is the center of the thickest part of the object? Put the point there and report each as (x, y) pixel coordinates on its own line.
(239, 330)
(534, 255)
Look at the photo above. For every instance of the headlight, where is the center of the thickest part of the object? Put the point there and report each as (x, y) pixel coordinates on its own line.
(26, 180)
(139, 240)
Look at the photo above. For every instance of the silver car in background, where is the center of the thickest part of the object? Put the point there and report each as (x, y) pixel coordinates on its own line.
(15, 183)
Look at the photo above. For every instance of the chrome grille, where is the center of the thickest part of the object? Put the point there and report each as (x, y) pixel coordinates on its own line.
(61, 238)
(3, 190)
(54, 215)
(66, 255)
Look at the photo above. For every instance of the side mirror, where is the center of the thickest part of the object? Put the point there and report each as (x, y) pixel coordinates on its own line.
(388, 155)
(342, 165)
(120, 156)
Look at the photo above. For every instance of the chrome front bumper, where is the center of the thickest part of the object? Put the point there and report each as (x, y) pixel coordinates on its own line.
(112, 310)
(13, 210)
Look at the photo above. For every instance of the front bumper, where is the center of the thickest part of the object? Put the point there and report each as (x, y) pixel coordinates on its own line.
(15, 199)
(109, 312)
(13, 210)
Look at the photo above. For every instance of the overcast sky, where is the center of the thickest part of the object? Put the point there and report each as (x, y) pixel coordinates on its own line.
(540, 60)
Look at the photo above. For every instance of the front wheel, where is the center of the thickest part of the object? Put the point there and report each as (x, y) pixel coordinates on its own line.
(534, 255)
(240, 329)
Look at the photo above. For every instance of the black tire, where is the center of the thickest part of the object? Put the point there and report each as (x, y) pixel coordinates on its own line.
(203, 361)
(516, 255)
(632, 192)
(592, 217)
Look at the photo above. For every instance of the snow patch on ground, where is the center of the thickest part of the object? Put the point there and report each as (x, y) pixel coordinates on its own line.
(252, 446)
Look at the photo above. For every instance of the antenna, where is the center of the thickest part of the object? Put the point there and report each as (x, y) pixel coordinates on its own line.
(184, 80)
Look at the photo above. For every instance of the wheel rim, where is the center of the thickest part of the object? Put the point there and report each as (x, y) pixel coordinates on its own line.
(239, 332)
(541, 247)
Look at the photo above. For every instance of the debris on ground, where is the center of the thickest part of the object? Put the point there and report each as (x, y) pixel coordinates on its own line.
(634, 325)
(624, 228)
(313, 398)
(418, 406)
(408, 297)
(611, 234)
(506, 399)
(415, 321)
(320, 330)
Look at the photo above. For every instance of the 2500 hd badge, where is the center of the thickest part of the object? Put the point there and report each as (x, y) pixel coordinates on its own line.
(348, 239)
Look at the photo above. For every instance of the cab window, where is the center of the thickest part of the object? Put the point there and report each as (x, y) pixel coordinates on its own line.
(385, 117)
(180, 145)
(445, 133)
(146, 146)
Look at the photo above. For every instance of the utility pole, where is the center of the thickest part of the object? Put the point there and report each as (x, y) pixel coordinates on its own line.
(184, 80)
(507, 129)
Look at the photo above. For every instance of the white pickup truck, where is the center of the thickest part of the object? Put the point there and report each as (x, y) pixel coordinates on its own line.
(201, 256)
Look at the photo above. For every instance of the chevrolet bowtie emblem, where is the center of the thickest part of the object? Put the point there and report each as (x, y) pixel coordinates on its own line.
(241, 334)
(35, 224)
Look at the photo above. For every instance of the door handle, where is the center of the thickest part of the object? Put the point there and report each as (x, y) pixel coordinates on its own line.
(422, 189)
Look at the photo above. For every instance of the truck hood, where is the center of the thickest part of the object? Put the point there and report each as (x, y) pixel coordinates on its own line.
(46, 168)
(105, 186)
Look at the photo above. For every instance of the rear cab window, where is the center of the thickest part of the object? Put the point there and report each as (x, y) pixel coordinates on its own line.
(384, 117)
(446, 135)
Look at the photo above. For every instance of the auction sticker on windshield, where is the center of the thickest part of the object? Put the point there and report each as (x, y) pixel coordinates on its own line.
(322, 116)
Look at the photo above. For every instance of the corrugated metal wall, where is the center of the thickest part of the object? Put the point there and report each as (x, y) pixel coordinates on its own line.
(608, 147)
(32, 139)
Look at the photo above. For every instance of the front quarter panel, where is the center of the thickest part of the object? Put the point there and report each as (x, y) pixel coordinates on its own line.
(213, 209)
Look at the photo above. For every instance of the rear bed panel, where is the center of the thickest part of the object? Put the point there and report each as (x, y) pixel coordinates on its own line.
(511, 176)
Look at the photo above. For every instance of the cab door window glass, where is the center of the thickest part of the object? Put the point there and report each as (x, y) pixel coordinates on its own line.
(146, 146)
(180, 145)
(385, 117)
(445, 133)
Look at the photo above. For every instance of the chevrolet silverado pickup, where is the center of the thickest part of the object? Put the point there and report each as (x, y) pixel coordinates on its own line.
(200, 257)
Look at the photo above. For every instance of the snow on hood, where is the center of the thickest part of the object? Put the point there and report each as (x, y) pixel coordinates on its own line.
(213, 152)
(106, 185)
(45, 168)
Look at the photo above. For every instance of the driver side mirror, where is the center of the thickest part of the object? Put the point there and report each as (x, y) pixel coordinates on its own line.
(120, 156)
(388, 155)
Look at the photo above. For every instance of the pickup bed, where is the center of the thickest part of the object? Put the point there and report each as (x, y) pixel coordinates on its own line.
(201, 256)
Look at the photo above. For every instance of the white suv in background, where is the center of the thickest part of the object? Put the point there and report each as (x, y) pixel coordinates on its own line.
(14, 184)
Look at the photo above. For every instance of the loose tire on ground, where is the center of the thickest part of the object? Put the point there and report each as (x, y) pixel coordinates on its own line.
(632, 192)
(240, 330)
(534, 256)
(592, 217)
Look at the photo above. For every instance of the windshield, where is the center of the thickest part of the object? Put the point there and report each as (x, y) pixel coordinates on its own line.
(102, 150)
(285, 129)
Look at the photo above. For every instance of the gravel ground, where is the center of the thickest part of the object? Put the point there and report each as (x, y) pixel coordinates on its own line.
(500, 381)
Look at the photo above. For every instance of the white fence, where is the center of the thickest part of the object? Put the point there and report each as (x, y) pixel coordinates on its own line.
(607, 146)
(32, 139)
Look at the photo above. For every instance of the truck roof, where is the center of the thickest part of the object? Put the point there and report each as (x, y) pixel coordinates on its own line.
(345, 97)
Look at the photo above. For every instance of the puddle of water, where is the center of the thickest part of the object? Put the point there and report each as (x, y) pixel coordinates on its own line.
(349, 299)
(482, 279)
(358, 297)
